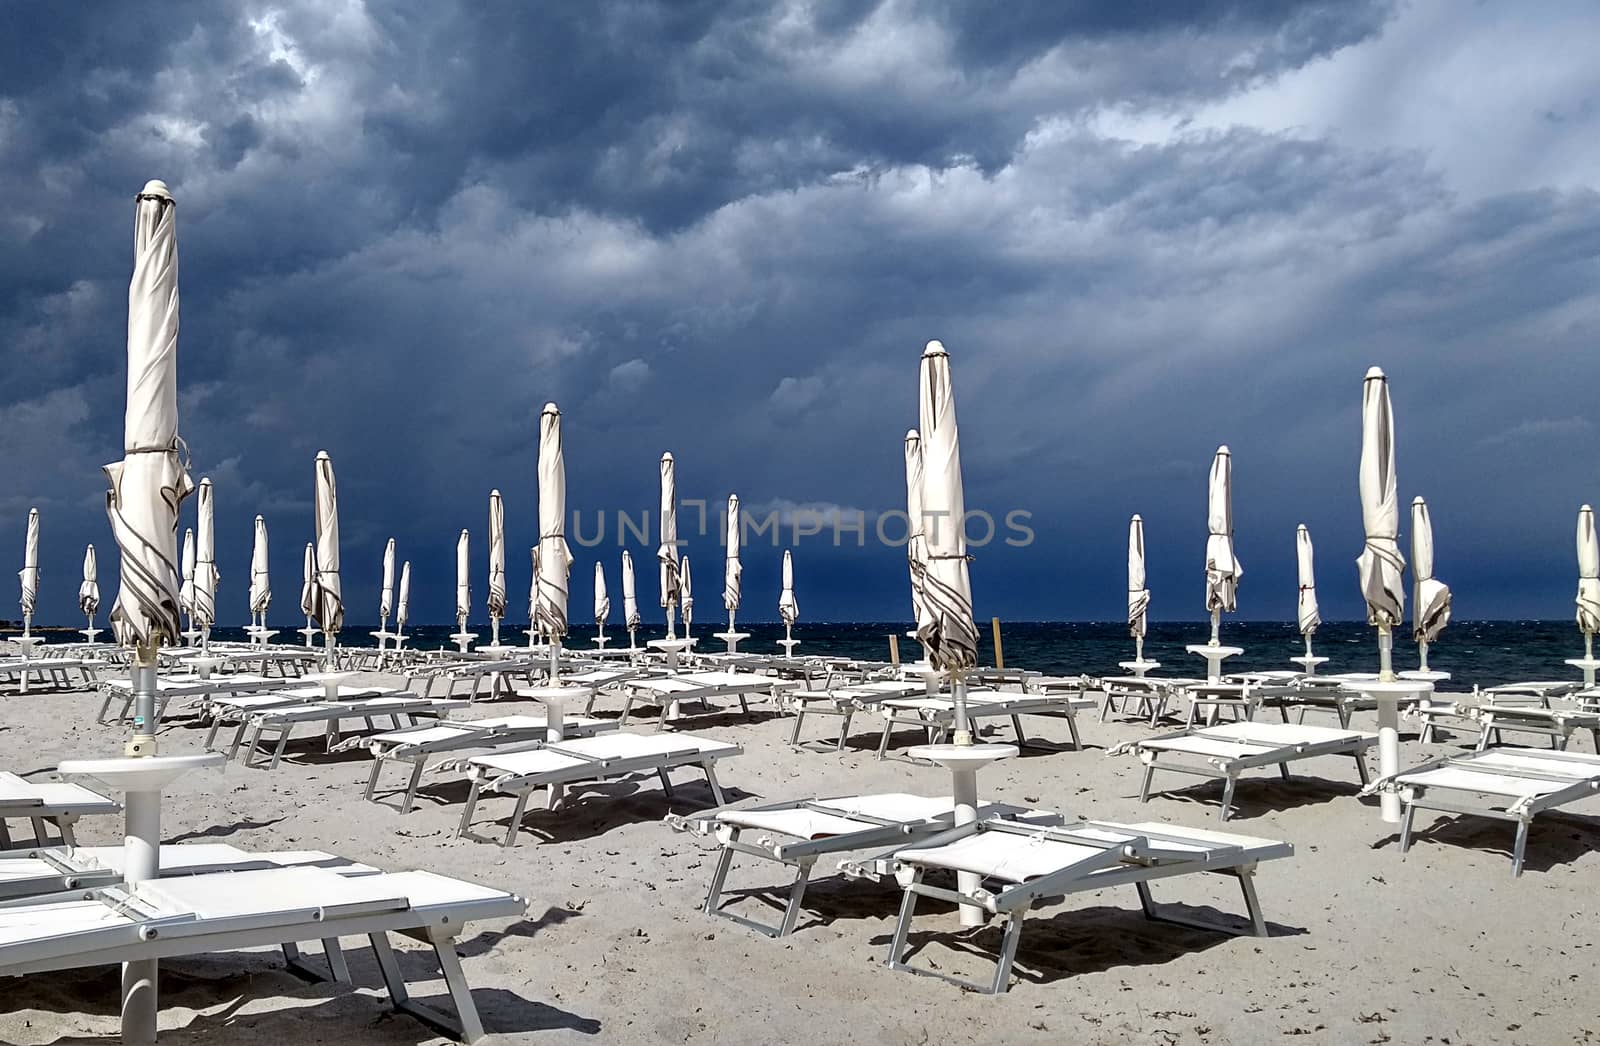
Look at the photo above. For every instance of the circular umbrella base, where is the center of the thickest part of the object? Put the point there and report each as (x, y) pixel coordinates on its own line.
(1308, 664)
(1138, 668)
(733, 639)
(463, 640)
(1214, 656)
(1388, 697)
(1587, 666)
(964, 762)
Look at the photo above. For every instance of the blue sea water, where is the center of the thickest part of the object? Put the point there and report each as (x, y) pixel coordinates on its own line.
(1473, 652)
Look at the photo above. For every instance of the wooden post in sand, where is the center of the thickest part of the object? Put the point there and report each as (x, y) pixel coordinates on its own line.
(999, 653)
(894, 649)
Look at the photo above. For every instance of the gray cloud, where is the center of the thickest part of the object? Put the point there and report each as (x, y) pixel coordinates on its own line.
(727, 231)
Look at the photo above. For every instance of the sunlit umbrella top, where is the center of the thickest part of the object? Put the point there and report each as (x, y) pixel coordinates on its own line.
(1223, 569)
(329, 597)
(89, 591)
(916, 544)
(1380, 564)
(667, 551)
(1308, 616)
(1431, 610)
(946, 630)
(497, 555)
(29, 574)
(260, 574)
(555, 557)
(1138, 594)
(732, 569)
(1588, 572)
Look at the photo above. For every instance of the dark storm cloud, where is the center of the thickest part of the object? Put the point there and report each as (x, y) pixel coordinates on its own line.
(727, 231)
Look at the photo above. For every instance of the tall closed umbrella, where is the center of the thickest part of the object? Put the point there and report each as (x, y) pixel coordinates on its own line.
(602, 604)
(1138, 594)
(205, 566)
(788, 607)
(1380, 567)
(630, 600)
(916, 524)
(260, 577)
(29, 574)
(1223, 569)
(89, 591)
(946, 628)
(667, 551)
(1588, 589)
(1308, 617)
(1430, 611)
(1380, 564)
(732, 572)
(686, 595)
(186, 590)
(497, 564)
(555, 558)
(146, 489)
(329, 593)
(533, 598)
(402, 607)
(386, 594)
(308, 590)
(463, 581)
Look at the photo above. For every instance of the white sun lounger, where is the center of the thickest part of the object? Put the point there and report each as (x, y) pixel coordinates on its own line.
(1510, 784)
(1024, 865)
(1558, 722)
(228, 911)
(845, 702)
(700, 688)
(1223, 752)
(41, 803)
(42, 870)
(589, 759)
(1147, 695)
(400, 709)
(797, 833)
(57, 670)
(595, 680)
(936, 715)
(182, 686)
(417, 744)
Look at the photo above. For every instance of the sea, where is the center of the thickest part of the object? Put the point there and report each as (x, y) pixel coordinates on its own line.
(1475, 653)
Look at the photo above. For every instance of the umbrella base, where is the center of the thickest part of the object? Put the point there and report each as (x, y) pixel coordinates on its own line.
(1308, 664)
(1587, 666)
(463, 640)
(1138, 668)
(964, 762)
(733, 639)
(1214, 656)
(1388, 697)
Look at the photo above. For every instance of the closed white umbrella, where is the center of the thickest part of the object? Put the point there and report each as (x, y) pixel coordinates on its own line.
(329, 593)
(308, 590)
(667, 551)
(1430, 611)
(402, 607)
(946, 628)
(732, 572)
(555, 558)
(630, 599)
(463, 580)
(602, 603)
(1380, 564)
(260, 576)
(146, 489)
(533, 598)
(1223, 569)
(186, 591)
(686, 594)
(1588, 589)
(386, 595)
(149, 484)
(29, 574)
(916, 541)
(1308, 616)
(1138, 594)
(205, 566)
(497, 564)
(89, 591)
(788, 607)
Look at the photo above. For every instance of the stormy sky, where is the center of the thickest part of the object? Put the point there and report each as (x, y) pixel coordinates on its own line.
(727, 229)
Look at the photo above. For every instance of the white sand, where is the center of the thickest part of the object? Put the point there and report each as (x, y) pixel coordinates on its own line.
(1443, 947)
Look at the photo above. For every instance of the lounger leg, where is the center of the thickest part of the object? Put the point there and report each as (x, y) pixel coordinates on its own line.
(1519, 847)
(1283, 771)
(1252, 903)
(1144, 785)
(1427, 732)
(844, 730)
(466, 1024)
(1072, 728)
(1008, 953)
(1227, 795)
(238, 738)
(411, 788)
(516, 818)
(1361, 769)
(666, 782)
(1016, 724)
(5, 835)
(466, 811)
(1483, 737)
(372, 778)
(277, 753)
(883, 742)
(719, 875)
(336, 964)
(1406, 821)
(791, 911)
(902, 928)
(211, 734)
(799, 717)
(711, 779)
(39, 834)
(64, 825)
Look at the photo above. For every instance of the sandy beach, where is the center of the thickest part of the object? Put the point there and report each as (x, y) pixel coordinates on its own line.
(1443, 946)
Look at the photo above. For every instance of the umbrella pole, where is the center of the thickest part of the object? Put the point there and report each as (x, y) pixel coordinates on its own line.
(963, 729)
(143, 742)
(1385, 654)
(671, 631)
(494, 630)
(1308, 646)
(555, 660)
(327, 651)
(27, 626)
(1216, 627)
(1422, 655)
(1138, 649)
